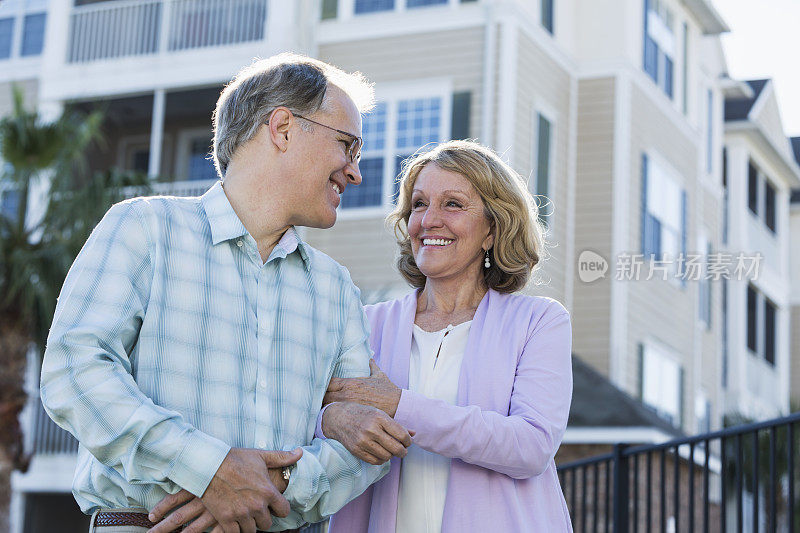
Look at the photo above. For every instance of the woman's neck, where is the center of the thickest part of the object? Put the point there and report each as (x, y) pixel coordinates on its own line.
(449, 299)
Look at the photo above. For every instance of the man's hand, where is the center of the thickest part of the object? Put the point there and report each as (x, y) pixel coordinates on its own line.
(377, 390)
(242, 496)
(367, 432)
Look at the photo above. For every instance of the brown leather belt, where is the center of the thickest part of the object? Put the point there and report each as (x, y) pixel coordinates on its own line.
(126, 518)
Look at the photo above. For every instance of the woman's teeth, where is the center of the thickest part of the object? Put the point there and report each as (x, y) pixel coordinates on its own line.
(436, 242)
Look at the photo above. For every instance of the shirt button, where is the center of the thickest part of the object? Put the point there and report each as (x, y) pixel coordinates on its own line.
(262, 444)
(263, 383)
(239, 243)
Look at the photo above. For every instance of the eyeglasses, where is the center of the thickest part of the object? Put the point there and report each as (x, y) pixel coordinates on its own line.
(353, 146)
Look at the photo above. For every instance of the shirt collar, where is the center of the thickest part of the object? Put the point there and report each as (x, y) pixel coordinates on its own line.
(225, 225)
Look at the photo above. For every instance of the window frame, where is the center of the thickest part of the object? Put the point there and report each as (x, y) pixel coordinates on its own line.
(392, 93)
(184, 151)
(665, 357)
(19, 15)
(548, 113)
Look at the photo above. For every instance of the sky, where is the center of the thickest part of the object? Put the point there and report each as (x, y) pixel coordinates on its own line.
(764, 42)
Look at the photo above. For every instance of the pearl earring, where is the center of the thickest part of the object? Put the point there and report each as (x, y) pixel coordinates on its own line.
(486, 262)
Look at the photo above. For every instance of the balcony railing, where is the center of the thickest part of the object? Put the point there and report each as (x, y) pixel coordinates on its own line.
(127, 28)
(48, 438)
(738, 479)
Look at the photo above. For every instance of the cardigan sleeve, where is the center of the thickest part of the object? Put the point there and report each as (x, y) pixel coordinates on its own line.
(522, 443)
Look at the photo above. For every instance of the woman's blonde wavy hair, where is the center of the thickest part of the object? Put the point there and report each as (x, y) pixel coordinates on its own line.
(514, 216)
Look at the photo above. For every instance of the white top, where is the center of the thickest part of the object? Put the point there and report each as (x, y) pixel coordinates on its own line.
(424, 475)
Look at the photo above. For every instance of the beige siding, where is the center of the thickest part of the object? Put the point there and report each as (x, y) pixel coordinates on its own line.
(593, 215)
(794, 383)
(542, 82)
(30, 89)
(661, 310)
(364, 246)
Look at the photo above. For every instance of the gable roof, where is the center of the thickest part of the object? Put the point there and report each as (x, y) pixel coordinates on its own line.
(596, 402)
(739, 108)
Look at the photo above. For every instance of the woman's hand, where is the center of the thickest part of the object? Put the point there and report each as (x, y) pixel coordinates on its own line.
(377, 390)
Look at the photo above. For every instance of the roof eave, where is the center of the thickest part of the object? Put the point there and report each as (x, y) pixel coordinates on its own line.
(711, 21)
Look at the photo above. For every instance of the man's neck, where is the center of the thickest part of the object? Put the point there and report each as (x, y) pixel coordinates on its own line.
(264, 222)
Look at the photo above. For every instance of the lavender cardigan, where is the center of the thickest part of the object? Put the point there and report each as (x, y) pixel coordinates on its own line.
(514, 393)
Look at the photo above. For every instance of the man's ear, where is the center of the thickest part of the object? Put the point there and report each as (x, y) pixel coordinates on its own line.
(279, 126)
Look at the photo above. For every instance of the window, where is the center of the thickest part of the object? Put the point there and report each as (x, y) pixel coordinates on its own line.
(702, 413)
(542, 155)
(329, 9)
(752, 188)
(724, 333)
(661, 384)
(725, 196)
(394, 130)
(761, 196)
(9, 203)
(33, 34)
(663, 227)
(6, 37)
(685, 99)
(420, 3)
(704, 288)
(710, 132)
(371, 6)
(659, 44)
(769, 331)
(547, 15)
(761, 328)
(769, 207)
(200, 166)
(752, 319)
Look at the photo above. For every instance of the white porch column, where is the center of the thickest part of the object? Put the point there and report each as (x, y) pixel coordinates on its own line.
(156, 133)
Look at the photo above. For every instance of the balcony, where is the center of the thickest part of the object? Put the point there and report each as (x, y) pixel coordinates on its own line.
(137, 28)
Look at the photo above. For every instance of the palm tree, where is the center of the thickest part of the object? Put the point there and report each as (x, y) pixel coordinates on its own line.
(37, 248)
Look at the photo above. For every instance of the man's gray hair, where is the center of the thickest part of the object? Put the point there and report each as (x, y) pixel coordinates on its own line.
(294, 81)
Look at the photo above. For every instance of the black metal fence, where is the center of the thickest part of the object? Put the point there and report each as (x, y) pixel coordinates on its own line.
(740, 479)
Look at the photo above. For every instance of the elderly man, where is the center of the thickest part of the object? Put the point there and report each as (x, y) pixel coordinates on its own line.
(194, 338)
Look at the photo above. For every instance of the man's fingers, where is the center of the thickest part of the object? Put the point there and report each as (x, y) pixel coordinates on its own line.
(180, 516)
(168, 502)
(203, 522)
(336, 384)
(280, 458)
(279, 506)
(398, 432)
(374, 369)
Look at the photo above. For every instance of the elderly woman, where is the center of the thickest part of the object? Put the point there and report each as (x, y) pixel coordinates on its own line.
(481, 376)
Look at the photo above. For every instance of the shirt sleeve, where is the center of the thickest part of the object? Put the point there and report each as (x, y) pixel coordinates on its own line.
(328, 476)
(521, 444)
(87, 386)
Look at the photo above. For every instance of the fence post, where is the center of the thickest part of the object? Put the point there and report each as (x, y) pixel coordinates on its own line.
(620, 491)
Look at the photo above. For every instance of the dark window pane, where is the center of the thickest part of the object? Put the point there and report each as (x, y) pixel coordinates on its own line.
(33, 34)
(6, 37)
(370, 6)
(547, 15)
(329, 8)
(542, 155)
(140, 161)
(370, 192)
(9, 204)
(399, 161)
(459, 125)
(752, 188)
(724, 332)
(769, 208)
(667, 82)
(769, 332)
(751, 319)
(418, 3)
(651, 58)
(200, 166)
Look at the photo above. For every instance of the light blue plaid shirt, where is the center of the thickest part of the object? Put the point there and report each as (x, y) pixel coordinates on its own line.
(172, 341)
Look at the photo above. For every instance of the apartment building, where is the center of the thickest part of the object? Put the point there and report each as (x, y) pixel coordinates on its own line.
(760, 170)
(613, 110)
(794, 263)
